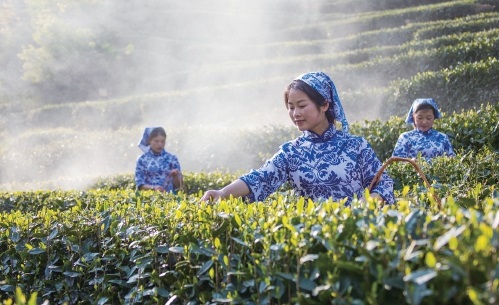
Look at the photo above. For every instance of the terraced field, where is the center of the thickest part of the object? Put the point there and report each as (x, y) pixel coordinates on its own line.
(210, 72)
(81, 79)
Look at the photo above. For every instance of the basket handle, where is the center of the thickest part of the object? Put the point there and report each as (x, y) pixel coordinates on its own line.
(392, 159)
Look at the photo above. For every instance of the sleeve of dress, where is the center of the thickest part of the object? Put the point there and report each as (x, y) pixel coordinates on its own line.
(370, 166)
(267, 179)
(400, 149)
(140, 178)
(175, 164)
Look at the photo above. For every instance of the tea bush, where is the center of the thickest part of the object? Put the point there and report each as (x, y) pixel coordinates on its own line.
(194, 182)
(383, 19)
(384, 70)
(151, 248)
(469, 130)
(468, 178)
(446, 87)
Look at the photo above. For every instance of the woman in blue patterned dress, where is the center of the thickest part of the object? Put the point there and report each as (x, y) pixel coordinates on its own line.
(323, 162)
(423, 138)
(157, 169)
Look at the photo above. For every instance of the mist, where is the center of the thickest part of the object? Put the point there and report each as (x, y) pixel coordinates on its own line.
(80, 81)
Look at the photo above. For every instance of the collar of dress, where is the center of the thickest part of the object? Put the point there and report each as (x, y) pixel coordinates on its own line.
(426, 133)
(157, 154)
(326, 136)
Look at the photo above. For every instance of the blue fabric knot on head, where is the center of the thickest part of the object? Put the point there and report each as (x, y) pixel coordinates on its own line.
(421, 101)
(323, 84)
(143, 143)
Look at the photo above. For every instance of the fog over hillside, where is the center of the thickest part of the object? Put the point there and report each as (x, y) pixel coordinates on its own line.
(81, 79)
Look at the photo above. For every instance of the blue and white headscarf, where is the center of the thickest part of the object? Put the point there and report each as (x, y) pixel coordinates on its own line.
(421, 101)
(321, 82)
(143, 143)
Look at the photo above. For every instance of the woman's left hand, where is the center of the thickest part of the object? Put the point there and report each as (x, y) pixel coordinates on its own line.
(174, 172)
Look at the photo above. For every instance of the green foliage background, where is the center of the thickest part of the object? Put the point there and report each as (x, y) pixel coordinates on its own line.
(74, 80)
(82, 78)
(152, 248)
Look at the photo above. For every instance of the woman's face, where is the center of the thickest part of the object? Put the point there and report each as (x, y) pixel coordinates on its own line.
(305, 114)
(157, 143)
(423, 119)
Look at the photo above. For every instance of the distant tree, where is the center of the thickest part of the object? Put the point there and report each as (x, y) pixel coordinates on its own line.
(70, 59)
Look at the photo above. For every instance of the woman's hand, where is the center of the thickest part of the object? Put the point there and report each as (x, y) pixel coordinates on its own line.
(152, 187)
(176, 178)
(237, 189)
(174, 173)
(212, 195)
(158, 188)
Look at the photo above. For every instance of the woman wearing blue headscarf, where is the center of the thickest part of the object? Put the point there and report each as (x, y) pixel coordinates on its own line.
(423, 138)
(157, 169)
(323, 162)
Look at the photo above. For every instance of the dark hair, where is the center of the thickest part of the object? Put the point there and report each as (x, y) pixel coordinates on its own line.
(425, 106)
(313, 94)
(158, 131)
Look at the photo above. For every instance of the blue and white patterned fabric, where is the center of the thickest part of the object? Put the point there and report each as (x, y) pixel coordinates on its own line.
(336, 165)
(410, 119)
(323, 84)
(154, 169)
(429, 143)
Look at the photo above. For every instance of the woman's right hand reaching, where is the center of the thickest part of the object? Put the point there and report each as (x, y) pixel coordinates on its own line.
(237, 189)
(212, 195)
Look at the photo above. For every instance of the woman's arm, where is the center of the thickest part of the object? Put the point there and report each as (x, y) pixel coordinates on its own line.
(144, 187)
(237, 189)
(177, 179)
(140, 179)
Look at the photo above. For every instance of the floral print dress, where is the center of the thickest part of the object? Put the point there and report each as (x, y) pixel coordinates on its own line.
(334, 165)
(430, 144)
(154, 169)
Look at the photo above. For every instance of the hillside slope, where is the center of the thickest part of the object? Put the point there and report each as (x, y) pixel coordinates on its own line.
(83, 79)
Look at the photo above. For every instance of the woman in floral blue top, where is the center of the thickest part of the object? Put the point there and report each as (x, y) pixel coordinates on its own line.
(157, 169)
(323, 162)
(423, 138)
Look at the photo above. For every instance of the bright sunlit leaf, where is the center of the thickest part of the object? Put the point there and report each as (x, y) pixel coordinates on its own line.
(482, 243)
(430, 260)
(453, 243)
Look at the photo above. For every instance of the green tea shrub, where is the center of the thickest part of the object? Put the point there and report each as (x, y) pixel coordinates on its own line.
(198, 183)
(349, 6)
(473, 129)
(468, 24)
(265, 142)
(418, 61)
(412, 33)
(378, 51)
(469, 130)
(115, 182)
(385, 19)
(381, 135)
(51, 116)
(468, 178)
(194, 182)
(459, 88)
(150, 248)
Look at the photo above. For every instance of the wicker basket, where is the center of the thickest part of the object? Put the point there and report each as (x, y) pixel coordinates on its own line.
(377, 177)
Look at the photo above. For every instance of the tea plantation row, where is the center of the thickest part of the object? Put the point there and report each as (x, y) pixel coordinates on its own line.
(123, 247)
